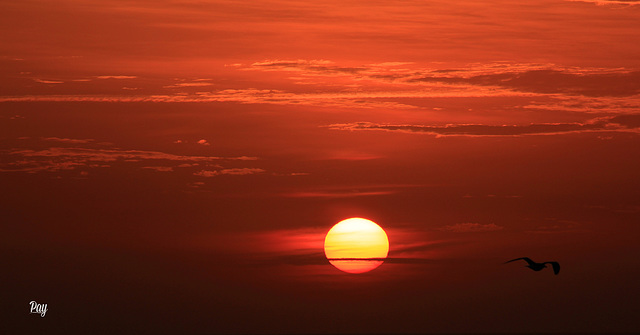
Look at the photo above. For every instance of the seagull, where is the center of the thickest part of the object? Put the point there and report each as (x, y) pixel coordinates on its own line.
(538, 266)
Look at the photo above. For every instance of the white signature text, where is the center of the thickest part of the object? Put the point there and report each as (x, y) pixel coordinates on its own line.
(38, 308)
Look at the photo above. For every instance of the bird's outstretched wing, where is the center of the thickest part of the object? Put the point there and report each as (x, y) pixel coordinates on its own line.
(526, 259)
(555, 265)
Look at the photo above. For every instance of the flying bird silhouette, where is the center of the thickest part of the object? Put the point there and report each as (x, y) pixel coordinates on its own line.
(537, 266)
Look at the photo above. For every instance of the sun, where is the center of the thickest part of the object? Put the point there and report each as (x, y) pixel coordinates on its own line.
(356, 245)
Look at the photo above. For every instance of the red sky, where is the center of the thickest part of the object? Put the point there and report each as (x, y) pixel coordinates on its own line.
(173, 166)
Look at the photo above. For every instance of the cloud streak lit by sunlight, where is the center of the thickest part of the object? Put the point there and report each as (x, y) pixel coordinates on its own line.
(621, 123)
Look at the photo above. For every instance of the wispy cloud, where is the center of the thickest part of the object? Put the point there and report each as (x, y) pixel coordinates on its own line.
(58, 158)
(44, 81)
(68, 140)
(584, 104)
(195, 84)
(116, 77)
(393, 86)
(361, 99)
(337, 194)
(233, 171)
(325, 67)
(110, 155)
(159, 168)
(520, 77)
(241, 171)
(610, 2)
(586, 82)
(620, 123)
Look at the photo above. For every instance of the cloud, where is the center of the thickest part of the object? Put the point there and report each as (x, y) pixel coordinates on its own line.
(197, 84)
(206, 173)
(48, 81)
(203, 142)
(245, 158)
(471, 227)
(373, 98)
(391, 64)
(521, 77)
(68, 140)
(314, 70)
(336, 194)
(241, 171)
(186, 165)
(116, 77)
(44, 165)
(301, 65)
(233, 171)
(395, 85)
(552, 81)
(584, 104)
(196, 184)
(255, 96)
(159, 168)
(620, 123)
(110, 155)
(56, 159)
(610, 2)
(628, 120)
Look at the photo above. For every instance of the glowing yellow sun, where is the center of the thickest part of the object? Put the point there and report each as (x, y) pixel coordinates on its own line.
(356, 245)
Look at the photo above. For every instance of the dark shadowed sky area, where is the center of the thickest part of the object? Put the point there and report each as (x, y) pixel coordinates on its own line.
(172, 167)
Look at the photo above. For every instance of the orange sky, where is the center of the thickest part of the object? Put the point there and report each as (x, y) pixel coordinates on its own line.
(174, 166)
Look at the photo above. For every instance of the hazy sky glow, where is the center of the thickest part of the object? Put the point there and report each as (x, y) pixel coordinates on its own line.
(174, 166)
